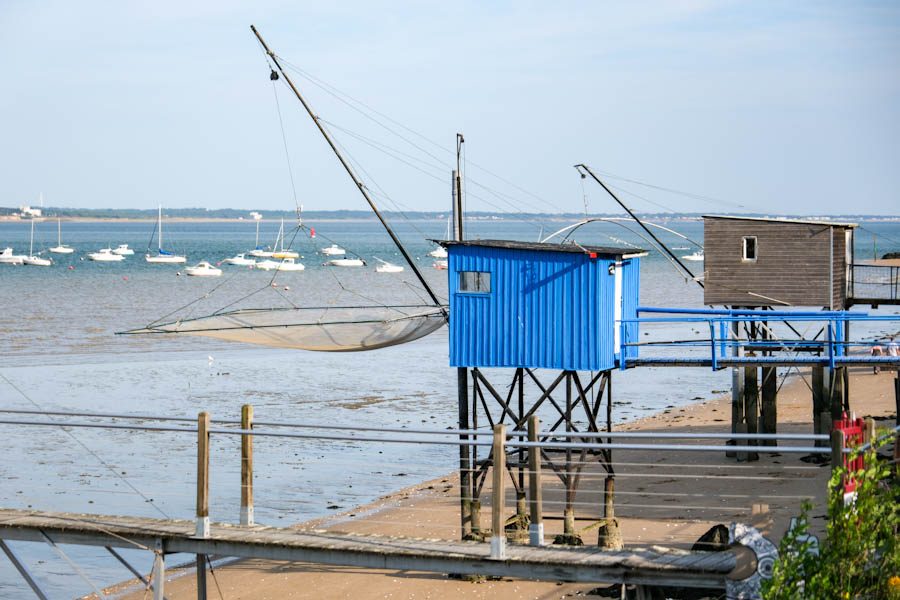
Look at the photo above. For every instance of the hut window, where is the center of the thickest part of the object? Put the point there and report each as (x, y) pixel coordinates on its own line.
(749, 249)
(475, 282)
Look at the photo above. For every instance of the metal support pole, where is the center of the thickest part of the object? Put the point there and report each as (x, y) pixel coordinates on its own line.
(247, 466)
(818, 402)
(159, 570)
(22, 571)
(770, 403)
(202, 475)
(536, 527)
(72, 564)
(465, 466)
(751, 406)
(498, 534)
(737, 388)
(201, 577)
(128, 566)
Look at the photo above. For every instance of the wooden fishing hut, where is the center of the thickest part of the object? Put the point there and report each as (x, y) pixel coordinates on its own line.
(763, 263)
(526, 306)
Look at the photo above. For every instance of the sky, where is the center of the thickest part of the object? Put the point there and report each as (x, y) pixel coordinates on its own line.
(763, 107)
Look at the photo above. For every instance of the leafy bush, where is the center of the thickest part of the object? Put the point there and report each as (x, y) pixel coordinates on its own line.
(860, 557)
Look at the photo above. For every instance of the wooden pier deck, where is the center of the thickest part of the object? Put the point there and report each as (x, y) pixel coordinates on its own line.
(657, 566)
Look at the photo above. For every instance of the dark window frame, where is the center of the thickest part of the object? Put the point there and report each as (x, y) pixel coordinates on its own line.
(479, 283)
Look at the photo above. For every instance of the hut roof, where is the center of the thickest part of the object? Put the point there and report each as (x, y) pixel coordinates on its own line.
(775, 220)
(542, 247)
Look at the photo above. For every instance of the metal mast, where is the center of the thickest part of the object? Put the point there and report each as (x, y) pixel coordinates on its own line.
(350, 172)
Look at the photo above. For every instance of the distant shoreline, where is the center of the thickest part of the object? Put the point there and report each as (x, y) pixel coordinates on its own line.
(416, 218)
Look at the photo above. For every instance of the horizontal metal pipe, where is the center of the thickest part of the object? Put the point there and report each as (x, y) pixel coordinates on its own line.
(449, 432)
(583, 446)
(760, 313)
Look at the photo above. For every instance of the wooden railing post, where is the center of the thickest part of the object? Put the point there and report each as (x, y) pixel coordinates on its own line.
(837, 458)
(203, 475)
(498, 533)
(869, 433)
(246, 466)
(536, 527)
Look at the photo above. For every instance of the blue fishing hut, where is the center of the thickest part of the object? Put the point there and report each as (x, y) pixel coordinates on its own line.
(524, 306)
(552, 306)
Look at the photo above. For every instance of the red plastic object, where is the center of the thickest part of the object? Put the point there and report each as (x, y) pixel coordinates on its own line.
(853, 438)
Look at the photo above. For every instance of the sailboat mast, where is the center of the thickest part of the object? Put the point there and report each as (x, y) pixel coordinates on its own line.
(159, 229)
(31, 246)
(359, 185)
(58, 232)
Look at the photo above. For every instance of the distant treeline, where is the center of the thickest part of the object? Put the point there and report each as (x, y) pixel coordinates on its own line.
(314, 215)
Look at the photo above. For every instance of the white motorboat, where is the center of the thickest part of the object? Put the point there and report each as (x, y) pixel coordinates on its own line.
(334, 250)
(31, 259)
(7, 257)
(203, 269)
(105, 255)
(124, 250)
(695, 257)
(346, 262)
(268, 264)
(239, 259)
(288, 264)
(386, 267)
(439, 252)
(161, 255)
(60, 249)
(440, 265)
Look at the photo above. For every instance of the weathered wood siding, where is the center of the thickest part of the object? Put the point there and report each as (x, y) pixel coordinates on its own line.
(793, 264)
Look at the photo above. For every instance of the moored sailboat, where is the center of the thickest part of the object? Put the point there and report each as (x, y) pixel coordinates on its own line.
(59, 248)
(161, 255)
(31, 259)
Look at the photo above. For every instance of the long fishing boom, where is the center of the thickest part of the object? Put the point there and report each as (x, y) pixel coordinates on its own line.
(350, 172)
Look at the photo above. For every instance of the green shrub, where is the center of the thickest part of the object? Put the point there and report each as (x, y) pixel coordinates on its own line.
(860, 556)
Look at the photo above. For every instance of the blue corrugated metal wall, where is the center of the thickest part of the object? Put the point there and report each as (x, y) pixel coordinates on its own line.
(545, 310)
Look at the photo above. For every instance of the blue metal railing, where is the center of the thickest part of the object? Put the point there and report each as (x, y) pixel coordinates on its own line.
(830, 348)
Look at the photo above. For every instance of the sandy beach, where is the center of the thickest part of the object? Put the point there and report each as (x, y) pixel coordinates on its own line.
(665, 499)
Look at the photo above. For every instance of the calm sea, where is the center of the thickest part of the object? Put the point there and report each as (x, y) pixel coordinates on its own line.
(59, 351)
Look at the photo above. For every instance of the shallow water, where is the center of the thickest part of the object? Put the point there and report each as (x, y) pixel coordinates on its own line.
(60, 351)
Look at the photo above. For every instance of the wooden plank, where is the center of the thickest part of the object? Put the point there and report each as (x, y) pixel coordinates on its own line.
(550, 563)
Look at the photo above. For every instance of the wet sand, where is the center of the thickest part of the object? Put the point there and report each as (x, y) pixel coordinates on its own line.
(661, 498)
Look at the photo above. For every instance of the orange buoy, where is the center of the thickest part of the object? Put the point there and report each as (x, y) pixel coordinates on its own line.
(71, 267)
(125, 278)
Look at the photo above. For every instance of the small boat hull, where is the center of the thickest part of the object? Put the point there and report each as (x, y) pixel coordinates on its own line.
(239, 260)
(62, 250)
(165, 258)
(105, 255)
(346, 262)
(37, 261)
(203, 269)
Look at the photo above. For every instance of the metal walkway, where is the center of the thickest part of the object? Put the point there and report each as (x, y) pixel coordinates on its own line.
(553, 563)
(768, 361)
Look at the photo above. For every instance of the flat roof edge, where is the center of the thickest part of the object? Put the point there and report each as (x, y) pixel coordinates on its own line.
(777, 220)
